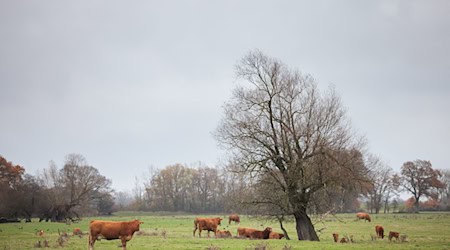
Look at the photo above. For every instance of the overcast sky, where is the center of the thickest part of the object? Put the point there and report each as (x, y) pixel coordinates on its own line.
(133, 84)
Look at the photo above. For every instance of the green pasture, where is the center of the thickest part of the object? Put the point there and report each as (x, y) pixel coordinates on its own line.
(166, 231)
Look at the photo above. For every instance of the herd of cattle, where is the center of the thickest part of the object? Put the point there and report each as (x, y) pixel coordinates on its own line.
(124, 230)
(211, 224)
(379, 230)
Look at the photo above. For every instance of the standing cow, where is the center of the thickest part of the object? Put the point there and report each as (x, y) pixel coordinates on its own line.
(112, 230)
(363, 216)
(209, 224)
(393, 235)
(235, 218)
(379, 230)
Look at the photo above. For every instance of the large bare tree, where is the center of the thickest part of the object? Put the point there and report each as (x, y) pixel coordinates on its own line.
(280, 125)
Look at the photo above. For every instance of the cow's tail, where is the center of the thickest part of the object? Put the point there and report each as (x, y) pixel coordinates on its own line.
(195, 226)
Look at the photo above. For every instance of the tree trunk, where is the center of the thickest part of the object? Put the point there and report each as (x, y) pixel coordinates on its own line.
(304, 227)
(417, 204)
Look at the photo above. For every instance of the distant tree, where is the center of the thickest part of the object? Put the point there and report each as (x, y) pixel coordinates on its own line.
(74, 187)
(105, 204)
(419, 178)
(181, 188)
(170, 188)
(139, 202)
(11, 191)
(444, 191)
(395, 204)
(237, 189)
(10, 175)
(123, 200)
(29, 197)
(282, 127)
(208, 189)
(382, 185)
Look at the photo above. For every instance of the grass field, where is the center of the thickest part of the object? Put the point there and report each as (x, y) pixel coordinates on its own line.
(424, 231)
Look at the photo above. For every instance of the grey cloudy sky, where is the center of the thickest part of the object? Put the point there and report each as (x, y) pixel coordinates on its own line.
(130, 84)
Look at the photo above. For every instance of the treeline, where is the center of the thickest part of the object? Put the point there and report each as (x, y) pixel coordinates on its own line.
(204, 189)
(62, 194)
(181, 188)
(78, 189)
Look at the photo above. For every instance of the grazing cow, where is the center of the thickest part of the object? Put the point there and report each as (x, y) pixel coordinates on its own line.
(336, 237)
(77, 231)
(112, 230)
(393, 235)
(40, 233)
(363, 216)
(257, 234)
(275, 235)
(235, 218)
(223, 234)
(209, 224)
(379, 230)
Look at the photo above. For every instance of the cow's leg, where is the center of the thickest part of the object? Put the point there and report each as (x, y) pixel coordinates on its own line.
(91, 242)
(124, 243)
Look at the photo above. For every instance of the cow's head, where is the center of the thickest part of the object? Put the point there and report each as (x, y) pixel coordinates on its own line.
(136, 224)
(219, 220)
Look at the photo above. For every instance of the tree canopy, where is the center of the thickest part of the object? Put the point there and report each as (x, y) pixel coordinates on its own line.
(421, 180)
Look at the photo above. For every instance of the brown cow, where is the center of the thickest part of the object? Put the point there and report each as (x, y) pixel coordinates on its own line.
(393, 235)
(363, 216)
(379, 230)
(245, 231)
(335, 237)
(257, 234)
(235, 218)
(275, 235)
(343, 240)
(223, 234)
(209, 224)
(112, 230)
(77, 231)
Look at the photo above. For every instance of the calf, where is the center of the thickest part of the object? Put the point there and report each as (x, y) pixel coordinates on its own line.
(343, 240)
(393, 235)
(257, 234)
(235, 218)
(112, 230)
(223, 234)
(363, 216)
(336, 237)
(209, 224)
(379, 230)
(77, 231)
(275, 235)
